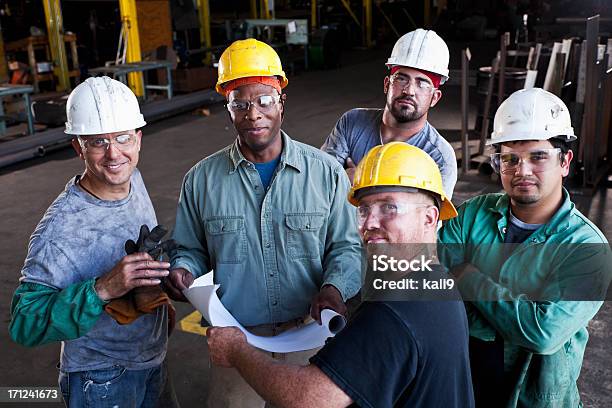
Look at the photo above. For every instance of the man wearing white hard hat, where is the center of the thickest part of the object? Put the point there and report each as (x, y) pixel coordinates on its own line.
(533, 268)
(418, 65)
(77, 264)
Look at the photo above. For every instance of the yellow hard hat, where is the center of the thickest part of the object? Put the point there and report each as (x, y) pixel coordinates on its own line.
(398, 164)
(249, 58)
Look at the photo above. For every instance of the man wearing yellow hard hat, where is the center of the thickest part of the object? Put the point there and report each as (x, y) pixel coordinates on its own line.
(268, 214)
(391, 353)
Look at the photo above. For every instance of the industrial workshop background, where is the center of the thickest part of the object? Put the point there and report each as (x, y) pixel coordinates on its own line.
(333, 52)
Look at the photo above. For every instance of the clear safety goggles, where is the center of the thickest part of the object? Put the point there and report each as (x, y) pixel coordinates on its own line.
(539, 160)
(263, 103)
(419, 84)
(98, 144)
(385, 210)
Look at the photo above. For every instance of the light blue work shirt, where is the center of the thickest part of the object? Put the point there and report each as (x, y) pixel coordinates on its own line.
(271, 250)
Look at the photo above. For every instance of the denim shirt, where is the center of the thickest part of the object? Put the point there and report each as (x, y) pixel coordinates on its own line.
(544, 340)
(358, 131)
(271, 250)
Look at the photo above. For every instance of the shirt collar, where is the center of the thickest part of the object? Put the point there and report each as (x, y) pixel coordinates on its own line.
(558, 223)
(289, 155)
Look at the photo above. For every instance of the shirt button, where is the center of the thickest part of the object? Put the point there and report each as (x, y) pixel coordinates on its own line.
(271, 274)
(267, 245)
(274, 303)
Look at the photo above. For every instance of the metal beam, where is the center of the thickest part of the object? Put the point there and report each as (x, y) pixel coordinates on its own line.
(129, 21)
(367, 12)
(3, 67)
(267, 11)
(205, 39)
(388, 20)
(254, 14)
(55, 35)
(465, 108)
(589, 137)
(313, 14)
(347, 6)
(503, 50)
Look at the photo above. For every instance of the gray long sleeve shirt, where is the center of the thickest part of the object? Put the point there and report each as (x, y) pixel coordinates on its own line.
(79, 239)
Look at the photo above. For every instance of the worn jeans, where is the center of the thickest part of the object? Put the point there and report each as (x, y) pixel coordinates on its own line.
(113, 387)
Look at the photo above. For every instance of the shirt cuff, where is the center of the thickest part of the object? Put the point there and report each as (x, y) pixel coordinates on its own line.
(93, 295)
(339, 287)
(189, 268)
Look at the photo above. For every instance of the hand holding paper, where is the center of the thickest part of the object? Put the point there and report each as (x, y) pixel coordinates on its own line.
(203, 295)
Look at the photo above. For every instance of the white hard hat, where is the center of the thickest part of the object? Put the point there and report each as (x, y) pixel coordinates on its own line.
(421, 49)
(531, 114)
(102, 105)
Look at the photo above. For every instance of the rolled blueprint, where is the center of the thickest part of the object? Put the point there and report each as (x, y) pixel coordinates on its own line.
(203, 296)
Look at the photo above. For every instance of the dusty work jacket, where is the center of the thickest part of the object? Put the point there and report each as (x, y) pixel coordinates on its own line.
(271, 250)
(544, 334)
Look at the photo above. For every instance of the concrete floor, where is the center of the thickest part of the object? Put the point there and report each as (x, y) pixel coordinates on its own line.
(170, 148)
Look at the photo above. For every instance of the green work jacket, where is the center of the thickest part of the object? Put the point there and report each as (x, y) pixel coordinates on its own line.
(523, 295)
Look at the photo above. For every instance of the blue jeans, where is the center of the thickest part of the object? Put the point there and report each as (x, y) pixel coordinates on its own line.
(113, 387)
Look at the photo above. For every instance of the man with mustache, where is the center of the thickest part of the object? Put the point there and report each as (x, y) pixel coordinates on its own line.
(418, 65)
(524, 257)
(392, 353)
(268, 214)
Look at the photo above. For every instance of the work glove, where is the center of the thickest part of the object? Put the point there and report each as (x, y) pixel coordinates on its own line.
(144, 299)
(151, 242)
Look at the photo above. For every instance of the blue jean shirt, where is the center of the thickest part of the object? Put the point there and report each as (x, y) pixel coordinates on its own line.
(271, 250)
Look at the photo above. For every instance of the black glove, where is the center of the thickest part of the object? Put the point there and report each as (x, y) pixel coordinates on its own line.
(151, 242)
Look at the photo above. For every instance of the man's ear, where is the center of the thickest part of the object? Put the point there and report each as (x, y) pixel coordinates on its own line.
(77, 148)
(437, 95)
(139, 138)
(386, 83)
(283, 99)
(432, 214)
(565, 166)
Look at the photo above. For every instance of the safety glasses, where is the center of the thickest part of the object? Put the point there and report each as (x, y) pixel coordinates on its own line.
(97, 144)
(539, 160)
(385, 210)
(263, 103)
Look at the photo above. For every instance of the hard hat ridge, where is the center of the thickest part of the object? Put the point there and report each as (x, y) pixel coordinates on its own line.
(421, 49)
(400, 165)
(249, 58)
(531, 114)
(102, 105)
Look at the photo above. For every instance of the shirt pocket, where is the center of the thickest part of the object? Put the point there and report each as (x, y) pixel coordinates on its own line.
(303, 239)
(226, 238)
